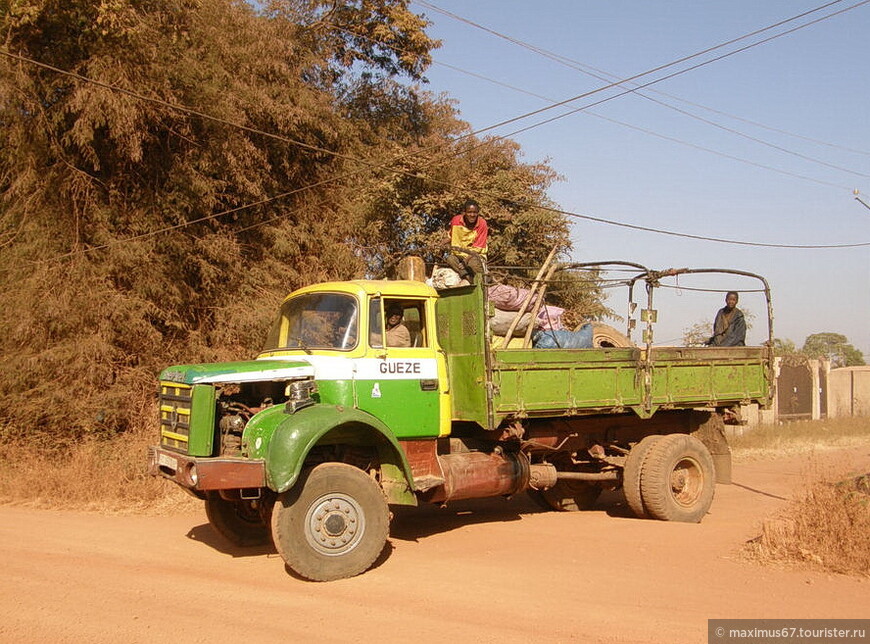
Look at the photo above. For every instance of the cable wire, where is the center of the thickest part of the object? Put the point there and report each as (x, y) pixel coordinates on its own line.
(656, 80)
(641, 129)
(384, 166)
(674, 63)
(187, 110)
(605, 76)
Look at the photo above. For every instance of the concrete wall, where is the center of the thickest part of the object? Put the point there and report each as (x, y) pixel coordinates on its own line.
(755, 417)
(849, 392)
(810, 389)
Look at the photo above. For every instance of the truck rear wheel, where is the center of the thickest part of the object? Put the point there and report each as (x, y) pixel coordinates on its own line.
(237, 520)
(631, 474)
(678, 479)
(567, 496)
(333, 523)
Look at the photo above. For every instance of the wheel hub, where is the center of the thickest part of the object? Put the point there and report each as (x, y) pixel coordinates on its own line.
(686, 482)
(334, 524)
(678, 481)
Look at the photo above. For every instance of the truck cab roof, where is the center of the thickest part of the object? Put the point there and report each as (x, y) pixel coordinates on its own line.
(400, 288)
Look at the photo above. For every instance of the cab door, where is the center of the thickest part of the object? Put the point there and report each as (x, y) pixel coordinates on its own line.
(402, 378)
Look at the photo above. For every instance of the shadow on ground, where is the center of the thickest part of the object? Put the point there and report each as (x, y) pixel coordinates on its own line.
(208, 536)
(413, 524)
(757, 491)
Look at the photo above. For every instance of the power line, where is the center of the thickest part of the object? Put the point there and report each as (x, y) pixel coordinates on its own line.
(565, 213)
(719, 240)
(768, 127)
(659, 68)
(602, 75)
(635, 127)
(606, 77)
(187, 110)
(586, 107)
(754, 139)
(185, 224)
(679, 61)
(586, 110)
(658, 80)
(721, 154)
(384, 166)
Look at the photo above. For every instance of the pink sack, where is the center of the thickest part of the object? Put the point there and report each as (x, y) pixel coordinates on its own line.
(509, 298)
(550, 318)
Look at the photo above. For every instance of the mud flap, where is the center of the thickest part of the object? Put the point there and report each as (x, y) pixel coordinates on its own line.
(722, 463)
(711, 431)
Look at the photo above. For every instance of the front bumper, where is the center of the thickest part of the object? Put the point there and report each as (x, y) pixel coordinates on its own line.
(198, 473)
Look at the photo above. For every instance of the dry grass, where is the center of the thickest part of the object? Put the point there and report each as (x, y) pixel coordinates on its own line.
(95, 475)
(770, 441)
(825, 527)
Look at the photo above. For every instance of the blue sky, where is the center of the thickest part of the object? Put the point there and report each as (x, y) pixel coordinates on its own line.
(812, 83)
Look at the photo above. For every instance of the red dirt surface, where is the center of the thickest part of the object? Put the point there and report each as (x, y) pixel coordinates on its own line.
(481, 571)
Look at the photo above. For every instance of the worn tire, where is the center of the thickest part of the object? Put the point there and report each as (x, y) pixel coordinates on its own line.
(631, 475)
(333, 523)
(678, 479)
(567, 496)
(238, 521)
(604, 335)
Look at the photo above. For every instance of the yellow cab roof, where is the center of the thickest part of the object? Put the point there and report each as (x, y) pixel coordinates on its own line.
(394, 288)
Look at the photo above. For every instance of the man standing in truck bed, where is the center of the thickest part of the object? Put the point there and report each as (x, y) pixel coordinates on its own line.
(468, 230)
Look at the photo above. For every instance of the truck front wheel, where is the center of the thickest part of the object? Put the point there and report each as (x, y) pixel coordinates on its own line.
(678, 479)
(237, 520)
(333, 523)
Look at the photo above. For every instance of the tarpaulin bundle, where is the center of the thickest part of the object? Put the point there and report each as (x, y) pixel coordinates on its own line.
(579, 339)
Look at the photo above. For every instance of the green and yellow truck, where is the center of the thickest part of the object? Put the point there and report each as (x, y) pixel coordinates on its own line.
(311, 443)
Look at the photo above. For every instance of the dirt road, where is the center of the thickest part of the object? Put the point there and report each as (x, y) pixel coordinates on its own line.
(483, 571)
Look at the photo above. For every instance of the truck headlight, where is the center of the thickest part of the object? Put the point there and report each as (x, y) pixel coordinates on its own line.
(192, 474)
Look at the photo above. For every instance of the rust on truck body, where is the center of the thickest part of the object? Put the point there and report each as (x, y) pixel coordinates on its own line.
(203, 474)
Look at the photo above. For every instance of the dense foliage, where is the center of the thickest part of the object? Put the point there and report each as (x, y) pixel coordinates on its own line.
(835, 347)
(136, 232)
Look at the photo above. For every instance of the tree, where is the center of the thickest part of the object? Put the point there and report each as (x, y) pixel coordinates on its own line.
(134, 234)
(784, 347)
(440, 165)
(95, 297)
(697, 334)
(835, 347)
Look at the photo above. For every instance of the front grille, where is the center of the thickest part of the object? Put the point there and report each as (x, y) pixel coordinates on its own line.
(175, 404)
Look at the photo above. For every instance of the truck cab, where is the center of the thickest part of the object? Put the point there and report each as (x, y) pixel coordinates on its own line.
(339, 329)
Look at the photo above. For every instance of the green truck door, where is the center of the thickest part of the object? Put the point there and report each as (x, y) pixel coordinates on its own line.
(400, 385)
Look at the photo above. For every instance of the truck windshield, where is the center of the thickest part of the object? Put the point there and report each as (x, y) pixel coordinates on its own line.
(316, 321)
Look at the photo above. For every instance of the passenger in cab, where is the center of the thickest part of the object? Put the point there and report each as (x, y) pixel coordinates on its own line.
(397, 333)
